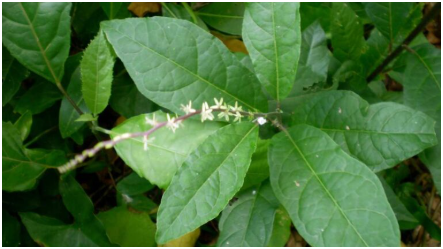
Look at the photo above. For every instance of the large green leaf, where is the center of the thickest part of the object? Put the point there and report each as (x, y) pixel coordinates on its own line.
(13, 73)
(87, 230)
(347, 33)
(167, 152)
(97, 69)
(226, 17)
(380, 135)
(421, 80)
(173, 61)
(38, 36)
(208, 179)
(389, 18)
(128, 228)
(68, 115)
(249, 221)
(314, 59)
(271, 32)
(333, 199)
(21, 167)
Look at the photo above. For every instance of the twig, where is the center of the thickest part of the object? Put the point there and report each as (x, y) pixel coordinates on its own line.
(426, 19)
(78, 159)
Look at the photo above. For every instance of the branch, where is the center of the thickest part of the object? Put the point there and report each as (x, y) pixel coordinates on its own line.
(426, 19)
(171, 124)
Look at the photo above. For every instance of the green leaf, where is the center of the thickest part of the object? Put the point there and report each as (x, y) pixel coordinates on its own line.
(23, 125)
(167, 152)
(38, 36)
(178, 11)
(134, 185)
(10, 231)
(388, 18)
(207, 180)
(314, 59)
(204, 70)
(259, 169)
(127, 100)
(116, 10)
(86, 230)
(281, 230)
(68, 115)
(380, 135)
(333, 199)
(20, 167)
(271, 32)
(432, 159)
(128, 228)
(13, 73)
(421, 80)
(249, 221)
(38, 98)
(97, 68)
(226, 17)
(347, 33)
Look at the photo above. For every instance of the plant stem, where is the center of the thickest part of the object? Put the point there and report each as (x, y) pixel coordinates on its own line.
(111, 143)
(426, 19)
(62, 89)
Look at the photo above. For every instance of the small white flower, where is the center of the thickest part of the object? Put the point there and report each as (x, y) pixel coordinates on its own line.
(219, 105)
(347, 127)
(187, 108)
(146, 142)
(171, 124)
(261, 120)
(236, 108)
(238, 117)
(206, 112)
(224, 114)
(151, 122)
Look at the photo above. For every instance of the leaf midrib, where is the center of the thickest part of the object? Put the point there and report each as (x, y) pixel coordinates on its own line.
(42, 51)
(277, 77)
(427, 68)
(324, 187)
(209, 177)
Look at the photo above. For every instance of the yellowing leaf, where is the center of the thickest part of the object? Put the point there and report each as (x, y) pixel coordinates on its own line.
(234, 45)
(187, 240)
(141, 9)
